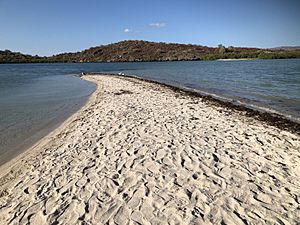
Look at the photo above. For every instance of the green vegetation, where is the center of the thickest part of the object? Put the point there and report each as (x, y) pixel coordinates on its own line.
(255, 55)
(17, 57)
(130, 51)
(280, 54)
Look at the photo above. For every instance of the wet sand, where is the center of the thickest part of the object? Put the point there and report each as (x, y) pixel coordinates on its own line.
(142, 153)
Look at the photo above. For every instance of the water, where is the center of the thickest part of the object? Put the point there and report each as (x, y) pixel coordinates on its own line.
(38, 96)
(34, 99)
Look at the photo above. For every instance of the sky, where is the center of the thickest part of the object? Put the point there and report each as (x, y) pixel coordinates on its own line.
(47, 27)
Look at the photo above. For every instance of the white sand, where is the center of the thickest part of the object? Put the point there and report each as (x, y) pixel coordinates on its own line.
(139, 153)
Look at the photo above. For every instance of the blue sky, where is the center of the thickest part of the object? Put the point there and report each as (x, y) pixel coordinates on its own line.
(47, 27)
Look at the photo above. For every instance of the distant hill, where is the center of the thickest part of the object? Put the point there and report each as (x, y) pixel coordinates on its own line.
(7, 56)
(287, 48)
(128, 51)
(132, 51)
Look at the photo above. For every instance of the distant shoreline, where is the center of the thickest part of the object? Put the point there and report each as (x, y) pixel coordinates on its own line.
(162, 61)
(241, 59)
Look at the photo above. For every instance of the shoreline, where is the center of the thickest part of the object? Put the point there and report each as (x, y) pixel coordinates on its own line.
(38, 135)
(148, 153)
(29, 114)
(274, 119)
(29, 148)
(238, 59)
(134, 61)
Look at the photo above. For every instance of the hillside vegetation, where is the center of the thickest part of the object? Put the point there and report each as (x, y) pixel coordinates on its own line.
(17, 57)
(131, 51)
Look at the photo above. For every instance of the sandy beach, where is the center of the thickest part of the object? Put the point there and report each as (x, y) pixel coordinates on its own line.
(142, 153)
(240, 59)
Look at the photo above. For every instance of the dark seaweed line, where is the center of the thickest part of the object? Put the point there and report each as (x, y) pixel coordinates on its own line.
(272, 119)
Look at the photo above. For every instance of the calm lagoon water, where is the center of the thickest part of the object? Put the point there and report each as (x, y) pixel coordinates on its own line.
(35, 98)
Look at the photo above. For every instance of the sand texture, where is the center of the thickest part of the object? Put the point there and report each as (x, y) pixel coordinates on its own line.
(140, 153)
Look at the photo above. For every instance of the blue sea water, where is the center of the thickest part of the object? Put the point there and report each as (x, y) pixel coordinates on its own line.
(35, 98)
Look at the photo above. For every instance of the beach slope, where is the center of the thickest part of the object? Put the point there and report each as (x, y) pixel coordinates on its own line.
(141, 153)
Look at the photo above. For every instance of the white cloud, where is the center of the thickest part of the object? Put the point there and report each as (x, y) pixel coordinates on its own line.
(127, 30)
(157, 25)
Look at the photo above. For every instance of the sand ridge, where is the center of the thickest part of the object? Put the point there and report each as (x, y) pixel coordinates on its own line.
(140, 153)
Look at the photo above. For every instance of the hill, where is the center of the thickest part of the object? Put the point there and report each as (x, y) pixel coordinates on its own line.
(7, 56)
(130, 51)
(287, 48)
